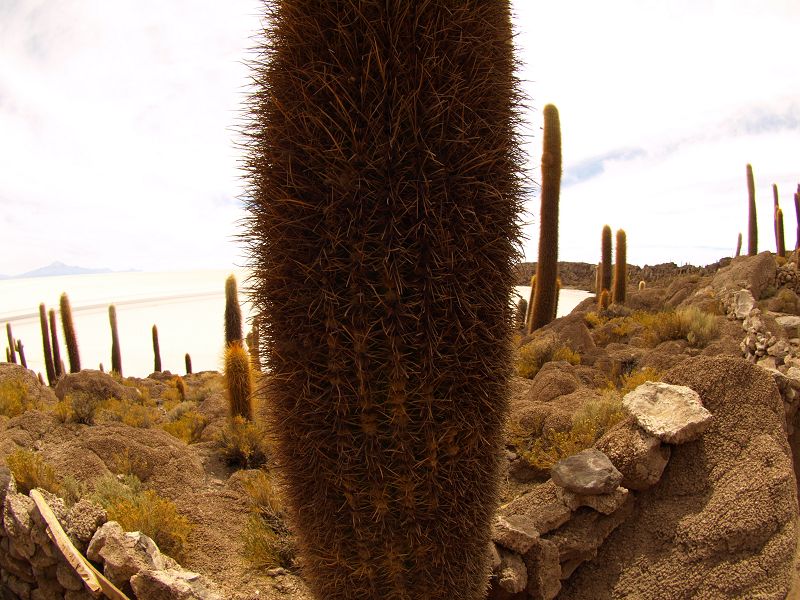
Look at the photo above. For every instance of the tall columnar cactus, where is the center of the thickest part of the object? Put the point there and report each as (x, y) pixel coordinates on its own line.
(116, 355)
(522, 311)
(385, 187)
(156, 351)
(253, 346)
(620, 269)
(49, 366)
(605, 259)
(752, 229)
(530, 304)
(775, 207)
(797, 215)
(21, 352)
(239, 381)
(780, 242)
(233, 312)
(604, 301)
(188, 360)
(8, 355)
(58, 364)
(70, 339)
(547, 263)
(739, 245)
(12, 356)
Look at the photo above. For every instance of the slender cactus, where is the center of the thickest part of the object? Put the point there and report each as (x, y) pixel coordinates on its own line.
(102, 369)
(12, 357)
(530, 303)
(21, 352)
(239, 382)
(780, 242)
(156, 351)
(604, 301)
(116, 354)
(797, 215)
(775, 206)
(620, 269)
(49, 366)
(547, 263)
(752, 229)
(605, 259)
(597, 280)
(188, 360)
(8, 355)
(58, 364)
(522, 311)
(180, 385)
(40, 378)
(739, 245)
(253, 346)
(555, 303)
(70, 338)
(233, 312)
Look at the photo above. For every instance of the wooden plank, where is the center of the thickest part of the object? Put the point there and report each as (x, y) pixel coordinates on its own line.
(95, 581)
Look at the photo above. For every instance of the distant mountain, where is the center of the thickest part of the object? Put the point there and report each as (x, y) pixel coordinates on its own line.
(58, 268)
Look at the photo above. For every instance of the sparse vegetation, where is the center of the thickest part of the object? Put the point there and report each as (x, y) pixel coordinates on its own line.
(243, 443)
(188, 425)
(14, 398)
(267, 541)
(697, 327)
(30, 471)
(532, 356)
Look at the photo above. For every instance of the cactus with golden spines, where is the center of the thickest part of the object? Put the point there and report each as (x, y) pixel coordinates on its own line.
(156, 351)
(233, 312)
(547, 262)
(12, 355)
(605, 259)
(58, 364)
(752, 224)
(620, 269)
(188, 362)
(49, 366)
(180, 385)
(116, 353)
(238, 381)
(384, 193)
(70, 339)
(604, 301)
(555, 304)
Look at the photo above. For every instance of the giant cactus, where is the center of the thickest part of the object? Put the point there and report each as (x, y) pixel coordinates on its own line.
(49, 366)
(70, 339)
(605, 260)
(233, 312)
(58, 364)
(116, 354)
(385, 187)
(12, 356)
(156, 351)
(620, 269)
(752, 224)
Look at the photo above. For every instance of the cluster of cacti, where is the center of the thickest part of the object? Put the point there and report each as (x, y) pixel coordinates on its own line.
(233, 313)
(385, 188)
(21, 352)
(156, 351)
(116, 354)
(239, 382)
(49, 365)
(544, 300)
(11, 353)
(620, 269)
(752, 229)
(70, 338)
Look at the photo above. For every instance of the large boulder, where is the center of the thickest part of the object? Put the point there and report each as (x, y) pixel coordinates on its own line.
(639, 456)
(587, 472)
(96, 384)
(722, 522)
(554, 379)
(14, 378)
(755, 273)
(672, 413)
(173, 584)
(571, 330)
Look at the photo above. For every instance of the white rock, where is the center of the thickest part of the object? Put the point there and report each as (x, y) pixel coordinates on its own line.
(743, 303)
(672, 413)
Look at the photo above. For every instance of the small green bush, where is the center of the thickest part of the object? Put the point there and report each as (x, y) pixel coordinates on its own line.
(188, 426)
(14, 399)
(533, 356)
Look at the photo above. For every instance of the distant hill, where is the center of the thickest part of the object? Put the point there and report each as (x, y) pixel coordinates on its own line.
(56, 268)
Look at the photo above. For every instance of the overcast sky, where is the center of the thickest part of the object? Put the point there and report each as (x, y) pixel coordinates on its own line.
(118, 144)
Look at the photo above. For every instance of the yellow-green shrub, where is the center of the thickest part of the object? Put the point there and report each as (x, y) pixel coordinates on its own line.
(31, 471)
(14, 398)
(267, 541)
(532, 356)
(128, 412)
(188, 426)
(243, 443)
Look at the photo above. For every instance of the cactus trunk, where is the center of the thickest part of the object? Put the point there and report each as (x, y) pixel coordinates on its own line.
(385, 188)
(752, 229)
(49, 366)
(12, 354)
(58, 364)
(21, 352)
(739, 245)
(70, 339)
(188, 361)
(116, 355)
(605, 259)
(156, 351)
(780, 242)
(620, 269)
(239, 382)
(233, 312)
(547, 263)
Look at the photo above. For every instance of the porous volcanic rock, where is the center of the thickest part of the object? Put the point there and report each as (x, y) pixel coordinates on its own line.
(96, 384)
(673, 414)
(755, 273)
(639, 456)
(587, 472)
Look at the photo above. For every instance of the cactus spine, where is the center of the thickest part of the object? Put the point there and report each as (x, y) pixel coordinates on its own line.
(752, 229)
(156, 351)
(188, 360)
(21, 352)
(70, 338)
(605, 259)
(739, 245)
(49, 366)
(780, 242)
(12, 356)
(382, 234)
(233, 313)
(620, 269)
(58, 364)
(116, 355)
(239, 382)
(547, 262)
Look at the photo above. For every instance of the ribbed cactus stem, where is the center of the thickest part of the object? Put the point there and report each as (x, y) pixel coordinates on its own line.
(156, 351)
(780, 240)
(239, 382)
(752, 229)
(233, 312)
(12, 356)
(70, 339)
(739, 245)
(49, 366)
(21, 352)
(620, 269)
(58, 364)
(605, 258)
(188, 361)
(547, 262)
(116, 355)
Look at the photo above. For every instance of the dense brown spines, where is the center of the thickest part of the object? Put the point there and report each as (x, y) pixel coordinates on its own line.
(383, 234)
(12, 354)
(156, 351)
(49, 366)
(70, 339)
(239, 382)
(738, 245)
(752, 224)
(620, 269)
(116, 354)
(58, 364)
(605, 258)
(233, 312)
(780, 242)
(21, 352)
(547, 262)
(188, 362)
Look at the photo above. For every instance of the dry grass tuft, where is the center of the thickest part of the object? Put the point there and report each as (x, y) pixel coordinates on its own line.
(31, 471)
(533, 356)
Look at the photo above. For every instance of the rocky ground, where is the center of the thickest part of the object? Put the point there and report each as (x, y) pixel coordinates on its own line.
(702, 506)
